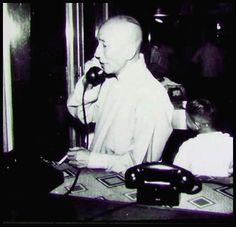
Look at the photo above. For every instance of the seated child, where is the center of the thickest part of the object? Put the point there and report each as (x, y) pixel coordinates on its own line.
(210, 152)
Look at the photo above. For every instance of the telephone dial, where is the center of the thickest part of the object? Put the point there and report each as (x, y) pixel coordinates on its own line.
(161, 184)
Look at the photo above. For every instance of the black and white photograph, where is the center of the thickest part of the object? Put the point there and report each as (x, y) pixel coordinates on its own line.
(118, 112)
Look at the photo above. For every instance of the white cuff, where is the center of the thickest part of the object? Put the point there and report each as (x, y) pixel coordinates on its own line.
(98, 161)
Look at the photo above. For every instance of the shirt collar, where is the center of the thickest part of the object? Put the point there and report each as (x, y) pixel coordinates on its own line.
(214, 133)
(127, 73)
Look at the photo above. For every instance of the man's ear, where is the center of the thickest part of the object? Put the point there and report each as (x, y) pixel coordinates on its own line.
(130, 51)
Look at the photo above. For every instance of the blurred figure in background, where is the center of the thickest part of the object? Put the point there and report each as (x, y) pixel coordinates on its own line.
(210, 57)
(210, 61)
(161, 59)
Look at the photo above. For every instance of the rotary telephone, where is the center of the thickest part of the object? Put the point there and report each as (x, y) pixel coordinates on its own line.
(161, 184)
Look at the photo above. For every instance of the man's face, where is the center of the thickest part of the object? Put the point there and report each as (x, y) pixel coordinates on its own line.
(111, 48)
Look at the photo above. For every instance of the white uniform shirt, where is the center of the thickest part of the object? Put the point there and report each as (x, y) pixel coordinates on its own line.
(208, 154)
(133, 115)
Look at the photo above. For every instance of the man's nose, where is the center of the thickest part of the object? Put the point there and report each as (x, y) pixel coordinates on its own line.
(98, 52)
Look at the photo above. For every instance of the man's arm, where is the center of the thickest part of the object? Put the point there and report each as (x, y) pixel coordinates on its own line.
(74, 102)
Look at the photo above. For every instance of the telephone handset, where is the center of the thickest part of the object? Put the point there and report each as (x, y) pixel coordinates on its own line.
(161, 184)
(95, 76)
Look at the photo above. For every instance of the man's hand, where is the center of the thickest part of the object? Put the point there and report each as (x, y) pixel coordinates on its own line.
(91, 63)
(79, 158)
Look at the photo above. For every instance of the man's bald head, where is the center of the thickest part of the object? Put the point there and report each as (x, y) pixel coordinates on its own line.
(119, 42)
(126, 28)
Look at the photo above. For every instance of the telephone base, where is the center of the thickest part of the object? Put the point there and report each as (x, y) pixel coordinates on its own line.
(158, 196)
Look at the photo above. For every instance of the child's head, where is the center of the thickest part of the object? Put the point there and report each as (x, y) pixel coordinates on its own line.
(200, 115)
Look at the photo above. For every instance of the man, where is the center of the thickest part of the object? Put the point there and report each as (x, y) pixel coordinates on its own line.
(209, 61)
(132, 112)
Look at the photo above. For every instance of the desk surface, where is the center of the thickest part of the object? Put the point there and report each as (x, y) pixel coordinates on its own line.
(100, 185)
(26, 200)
